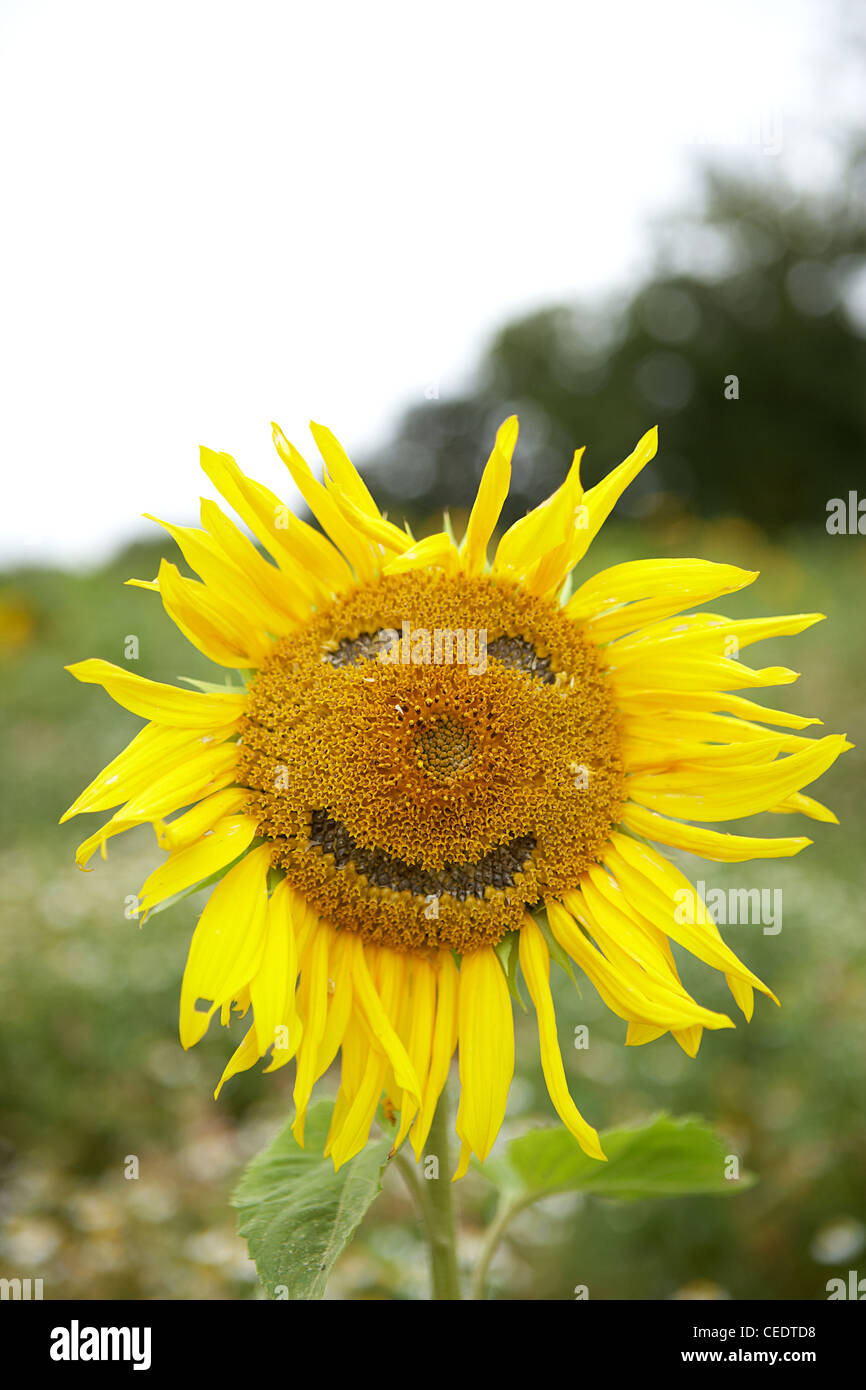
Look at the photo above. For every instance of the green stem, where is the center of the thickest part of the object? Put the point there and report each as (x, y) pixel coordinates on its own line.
(506, 1212)
(407, 1172)
(439, 1208)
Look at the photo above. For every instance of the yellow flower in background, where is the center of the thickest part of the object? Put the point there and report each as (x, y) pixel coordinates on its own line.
(430, 761)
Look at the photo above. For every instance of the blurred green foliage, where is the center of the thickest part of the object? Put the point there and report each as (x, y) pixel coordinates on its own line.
(757, 284)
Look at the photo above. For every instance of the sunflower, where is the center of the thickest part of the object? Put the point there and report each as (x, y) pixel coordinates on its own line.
(430, 767)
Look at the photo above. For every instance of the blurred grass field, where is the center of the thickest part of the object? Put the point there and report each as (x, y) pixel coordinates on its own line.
(92, 1071)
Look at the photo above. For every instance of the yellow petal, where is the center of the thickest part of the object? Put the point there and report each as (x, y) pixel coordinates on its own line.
(543, 529)
(638, 1034)
(355, 547)
(627, 596)
(422, 1014)
(376, 529)
(185, 867)
(590, 516)
(437, 551)
(617, 994)
(689, 1039)
(709, 844)
(600, 501)
(628, 992)
(313, 1005)
(244, 1057)
(354, 1055)
(308, 558)
(208, 770)
(342, 470)
(361, 1088)
(683, 673)
(492, 492)
(486, 1040)
(216, 627)
(669, 754)
(97, 841)
(378, 1021)
(535, 964)
(185, 829)
(635, 956)
(703, 633)
(154, 751)
(676, 725)
(339, 1005)
(197, 776)
(273, 985)
(442, 1049)
(280, 599)
(227, 944)
(805, 806)
(654, 700)
(657, 890)
(225, 582)
(164, 704)
(694, 795)
(361, 1111)
(743, 993)
(280, 1022)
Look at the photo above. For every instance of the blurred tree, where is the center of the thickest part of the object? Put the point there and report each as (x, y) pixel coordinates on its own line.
(746, 343)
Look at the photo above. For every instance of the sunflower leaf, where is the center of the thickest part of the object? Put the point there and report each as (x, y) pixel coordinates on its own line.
(296, 1214)
(664, 1157)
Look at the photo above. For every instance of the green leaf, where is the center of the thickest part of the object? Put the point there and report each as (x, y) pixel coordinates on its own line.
(663, 1158)
(296, 1214)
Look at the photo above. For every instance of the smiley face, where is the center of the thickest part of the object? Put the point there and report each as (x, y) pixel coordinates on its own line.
(412, 751)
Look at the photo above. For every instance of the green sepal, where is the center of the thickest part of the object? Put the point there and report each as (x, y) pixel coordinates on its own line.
(508, 952)
(275, 876)
(448, 527)
(204, 883)
(213, 687)
(557, 954)
(568, 588)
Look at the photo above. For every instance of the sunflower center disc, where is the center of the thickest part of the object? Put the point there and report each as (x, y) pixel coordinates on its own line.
(444, 749)
(431, 756)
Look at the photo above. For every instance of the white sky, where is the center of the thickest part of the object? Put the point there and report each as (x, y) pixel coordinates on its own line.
(214, 215)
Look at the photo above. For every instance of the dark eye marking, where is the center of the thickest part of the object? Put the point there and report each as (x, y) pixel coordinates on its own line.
(352, 651)
(514, 653)
(517, 654)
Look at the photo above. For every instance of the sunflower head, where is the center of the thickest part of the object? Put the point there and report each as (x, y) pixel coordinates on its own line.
(430, 755)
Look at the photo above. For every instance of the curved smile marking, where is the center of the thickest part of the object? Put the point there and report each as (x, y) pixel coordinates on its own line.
(498, 869)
